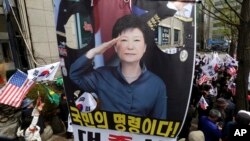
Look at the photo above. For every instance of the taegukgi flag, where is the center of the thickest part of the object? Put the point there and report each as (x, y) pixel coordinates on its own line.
(203, 103)
(210, 69)
(86, 102)
(43, 73)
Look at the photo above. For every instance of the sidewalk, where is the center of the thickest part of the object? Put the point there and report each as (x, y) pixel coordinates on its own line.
(194, 124)
(59, 137)
(48, 135)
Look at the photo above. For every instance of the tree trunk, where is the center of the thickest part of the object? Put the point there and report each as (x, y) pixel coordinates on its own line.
(232, 47)
(243, 56)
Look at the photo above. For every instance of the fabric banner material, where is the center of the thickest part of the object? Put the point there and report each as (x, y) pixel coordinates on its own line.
(16, 89)
(44, 73)
(166, 74)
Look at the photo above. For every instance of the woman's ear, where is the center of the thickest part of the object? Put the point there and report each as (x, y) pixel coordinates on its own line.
(115, 47)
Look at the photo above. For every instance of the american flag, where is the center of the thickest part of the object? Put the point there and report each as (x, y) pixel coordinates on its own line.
(203, 79)
(16, 89)
(232, 71)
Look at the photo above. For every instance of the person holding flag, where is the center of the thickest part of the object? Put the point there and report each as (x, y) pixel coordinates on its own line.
(205, 103)
(129, 87)
(209, 126)
(32, 124)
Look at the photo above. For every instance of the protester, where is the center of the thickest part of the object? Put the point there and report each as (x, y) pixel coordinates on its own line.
(196, 136)
(209, 127)
(221, 105)
(32, 124)
(204, 106)
(64, 113)
(230, 109)
(224, 81)
(242, 121)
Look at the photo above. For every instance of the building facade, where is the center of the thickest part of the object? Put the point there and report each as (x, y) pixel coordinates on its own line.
(27, 34)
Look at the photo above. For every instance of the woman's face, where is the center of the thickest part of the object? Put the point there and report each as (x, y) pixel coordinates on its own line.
(131, 46)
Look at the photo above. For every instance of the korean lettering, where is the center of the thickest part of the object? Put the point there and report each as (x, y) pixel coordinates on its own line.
(75, 114)
(120, 121)
(148, 126)
(101, 119)
(88, 119)
(134, 124)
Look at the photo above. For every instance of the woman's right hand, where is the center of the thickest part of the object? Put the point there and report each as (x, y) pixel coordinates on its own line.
(101, 48)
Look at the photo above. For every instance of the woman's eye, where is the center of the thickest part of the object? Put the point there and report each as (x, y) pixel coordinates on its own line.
(123, 40)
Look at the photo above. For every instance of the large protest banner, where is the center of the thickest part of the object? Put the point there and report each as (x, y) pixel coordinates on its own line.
(82, 25)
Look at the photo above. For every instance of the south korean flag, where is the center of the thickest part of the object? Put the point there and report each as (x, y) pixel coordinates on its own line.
(86, 102)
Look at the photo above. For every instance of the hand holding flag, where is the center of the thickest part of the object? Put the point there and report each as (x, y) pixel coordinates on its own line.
(231, 70)
(203, 103)
(203, 79)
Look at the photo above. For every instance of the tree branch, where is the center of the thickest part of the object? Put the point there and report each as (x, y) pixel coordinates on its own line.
(219, 10)
(239, 1)
(213, 15)
(235, 12)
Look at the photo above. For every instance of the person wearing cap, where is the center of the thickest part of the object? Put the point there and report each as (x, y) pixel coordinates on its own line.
(242, 121)
(31, 122)
(221, 105)
(209, 127)
(27, 103)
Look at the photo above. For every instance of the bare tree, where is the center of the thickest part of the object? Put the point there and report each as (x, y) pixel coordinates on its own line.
(240, 20)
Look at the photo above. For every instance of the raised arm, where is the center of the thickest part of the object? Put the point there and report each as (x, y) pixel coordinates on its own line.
(101, 49)
(78, 70)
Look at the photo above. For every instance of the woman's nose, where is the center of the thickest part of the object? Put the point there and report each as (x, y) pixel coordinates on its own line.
(130, 46)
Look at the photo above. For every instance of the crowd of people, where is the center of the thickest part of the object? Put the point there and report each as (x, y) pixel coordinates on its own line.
(212, 100)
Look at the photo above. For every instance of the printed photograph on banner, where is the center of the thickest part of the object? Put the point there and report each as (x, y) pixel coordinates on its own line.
(128, 64)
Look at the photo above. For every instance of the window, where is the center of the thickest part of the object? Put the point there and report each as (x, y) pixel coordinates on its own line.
(5, 53)
(84, 35)
(176, 36)
(165, 35)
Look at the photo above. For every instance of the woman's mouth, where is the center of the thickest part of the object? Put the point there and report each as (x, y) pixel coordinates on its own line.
(130, 54)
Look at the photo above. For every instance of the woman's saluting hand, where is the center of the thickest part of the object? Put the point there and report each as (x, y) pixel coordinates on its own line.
(101, 48)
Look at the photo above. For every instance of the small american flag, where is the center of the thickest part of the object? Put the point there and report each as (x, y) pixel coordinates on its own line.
(203, 79)
(16, 89)
(232, 71)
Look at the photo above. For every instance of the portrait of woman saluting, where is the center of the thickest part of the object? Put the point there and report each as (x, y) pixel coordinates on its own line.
(128, 87)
